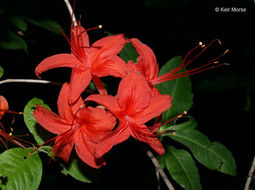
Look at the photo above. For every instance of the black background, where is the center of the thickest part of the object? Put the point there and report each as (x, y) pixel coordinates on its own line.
(223, 98)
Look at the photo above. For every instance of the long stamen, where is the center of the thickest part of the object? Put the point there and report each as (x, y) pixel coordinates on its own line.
(173, 73)
(202, 68)
(169, 131)
(95, 28)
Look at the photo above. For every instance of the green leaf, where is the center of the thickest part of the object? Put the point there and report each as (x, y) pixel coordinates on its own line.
(1, 72)
(20, 170)
(181, 167)
(128, 52)
(190, 124)
(19, 22)
(39, 133)
(214, 155)
(9, 40)
(46, 24)
(77, 169)
(179, 89)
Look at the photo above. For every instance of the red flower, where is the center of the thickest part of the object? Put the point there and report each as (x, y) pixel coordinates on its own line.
(87, 61)
(133, 106)
(76, 126)
(147, 64)
(3, 106)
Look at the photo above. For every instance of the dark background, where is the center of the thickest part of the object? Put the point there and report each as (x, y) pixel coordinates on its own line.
(223, 97)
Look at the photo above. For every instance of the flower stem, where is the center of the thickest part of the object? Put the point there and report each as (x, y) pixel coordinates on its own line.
(29, 81)
(159, 169)
(248, 181)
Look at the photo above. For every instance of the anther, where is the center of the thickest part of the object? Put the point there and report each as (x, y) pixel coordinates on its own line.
(100, 26)
(226, 51)
(216, 62)
(219, 41)
(174, 133)
(200, 43)
(10, 134)
(185, 112)
(226, 64)
(82, 106)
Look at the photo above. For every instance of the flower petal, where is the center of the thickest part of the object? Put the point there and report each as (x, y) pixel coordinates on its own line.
(79, 81)
(79, 36)
(119, 135)
(133, 93)
(56, 61)
(158, 104)
(97, 122)
(63, 106)
(143, 134)
(64, 144)
(107, 101)
(146, 59)
(107, 46)
(86, 151)
(66, 110)
(3, 106)
(112, 65)
(50, 121)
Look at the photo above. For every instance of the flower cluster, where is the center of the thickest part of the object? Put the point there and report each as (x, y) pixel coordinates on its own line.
(93, 131)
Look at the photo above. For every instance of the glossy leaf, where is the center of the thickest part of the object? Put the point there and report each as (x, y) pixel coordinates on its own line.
(77, 170)
(1, 72)
(128, 52)
(39, 133)
(190, 124)
(49, 25)
(179, 89)
(181, 167)
(214, 155)
(19, 22)
(9, 40)
(19, 169)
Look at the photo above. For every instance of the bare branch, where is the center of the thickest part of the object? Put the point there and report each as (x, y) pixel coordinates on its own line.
(28, 81)
(70, 9)
(248, 181)
(159, 169)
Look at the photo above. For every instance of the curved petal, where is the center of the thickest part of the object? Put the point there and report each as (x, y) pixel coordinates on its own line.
(66, 110)
(63, 106)
(3, 106)
(150, 139)
(64, 144)
(146, 60)
(107, 46)
(97, 122)
(133, 93)
(119, 135)
(109, 102)
(86, 151)
(56, 61)
(50, 121)
(131, 66)
(111, 65)
(158, 104)
(79, 81)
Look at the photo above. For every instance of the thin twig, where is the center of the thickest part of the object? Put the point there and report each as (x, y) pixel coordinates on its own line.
(159, 169)
(28, 81)
(248, 181)
(70, 9)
